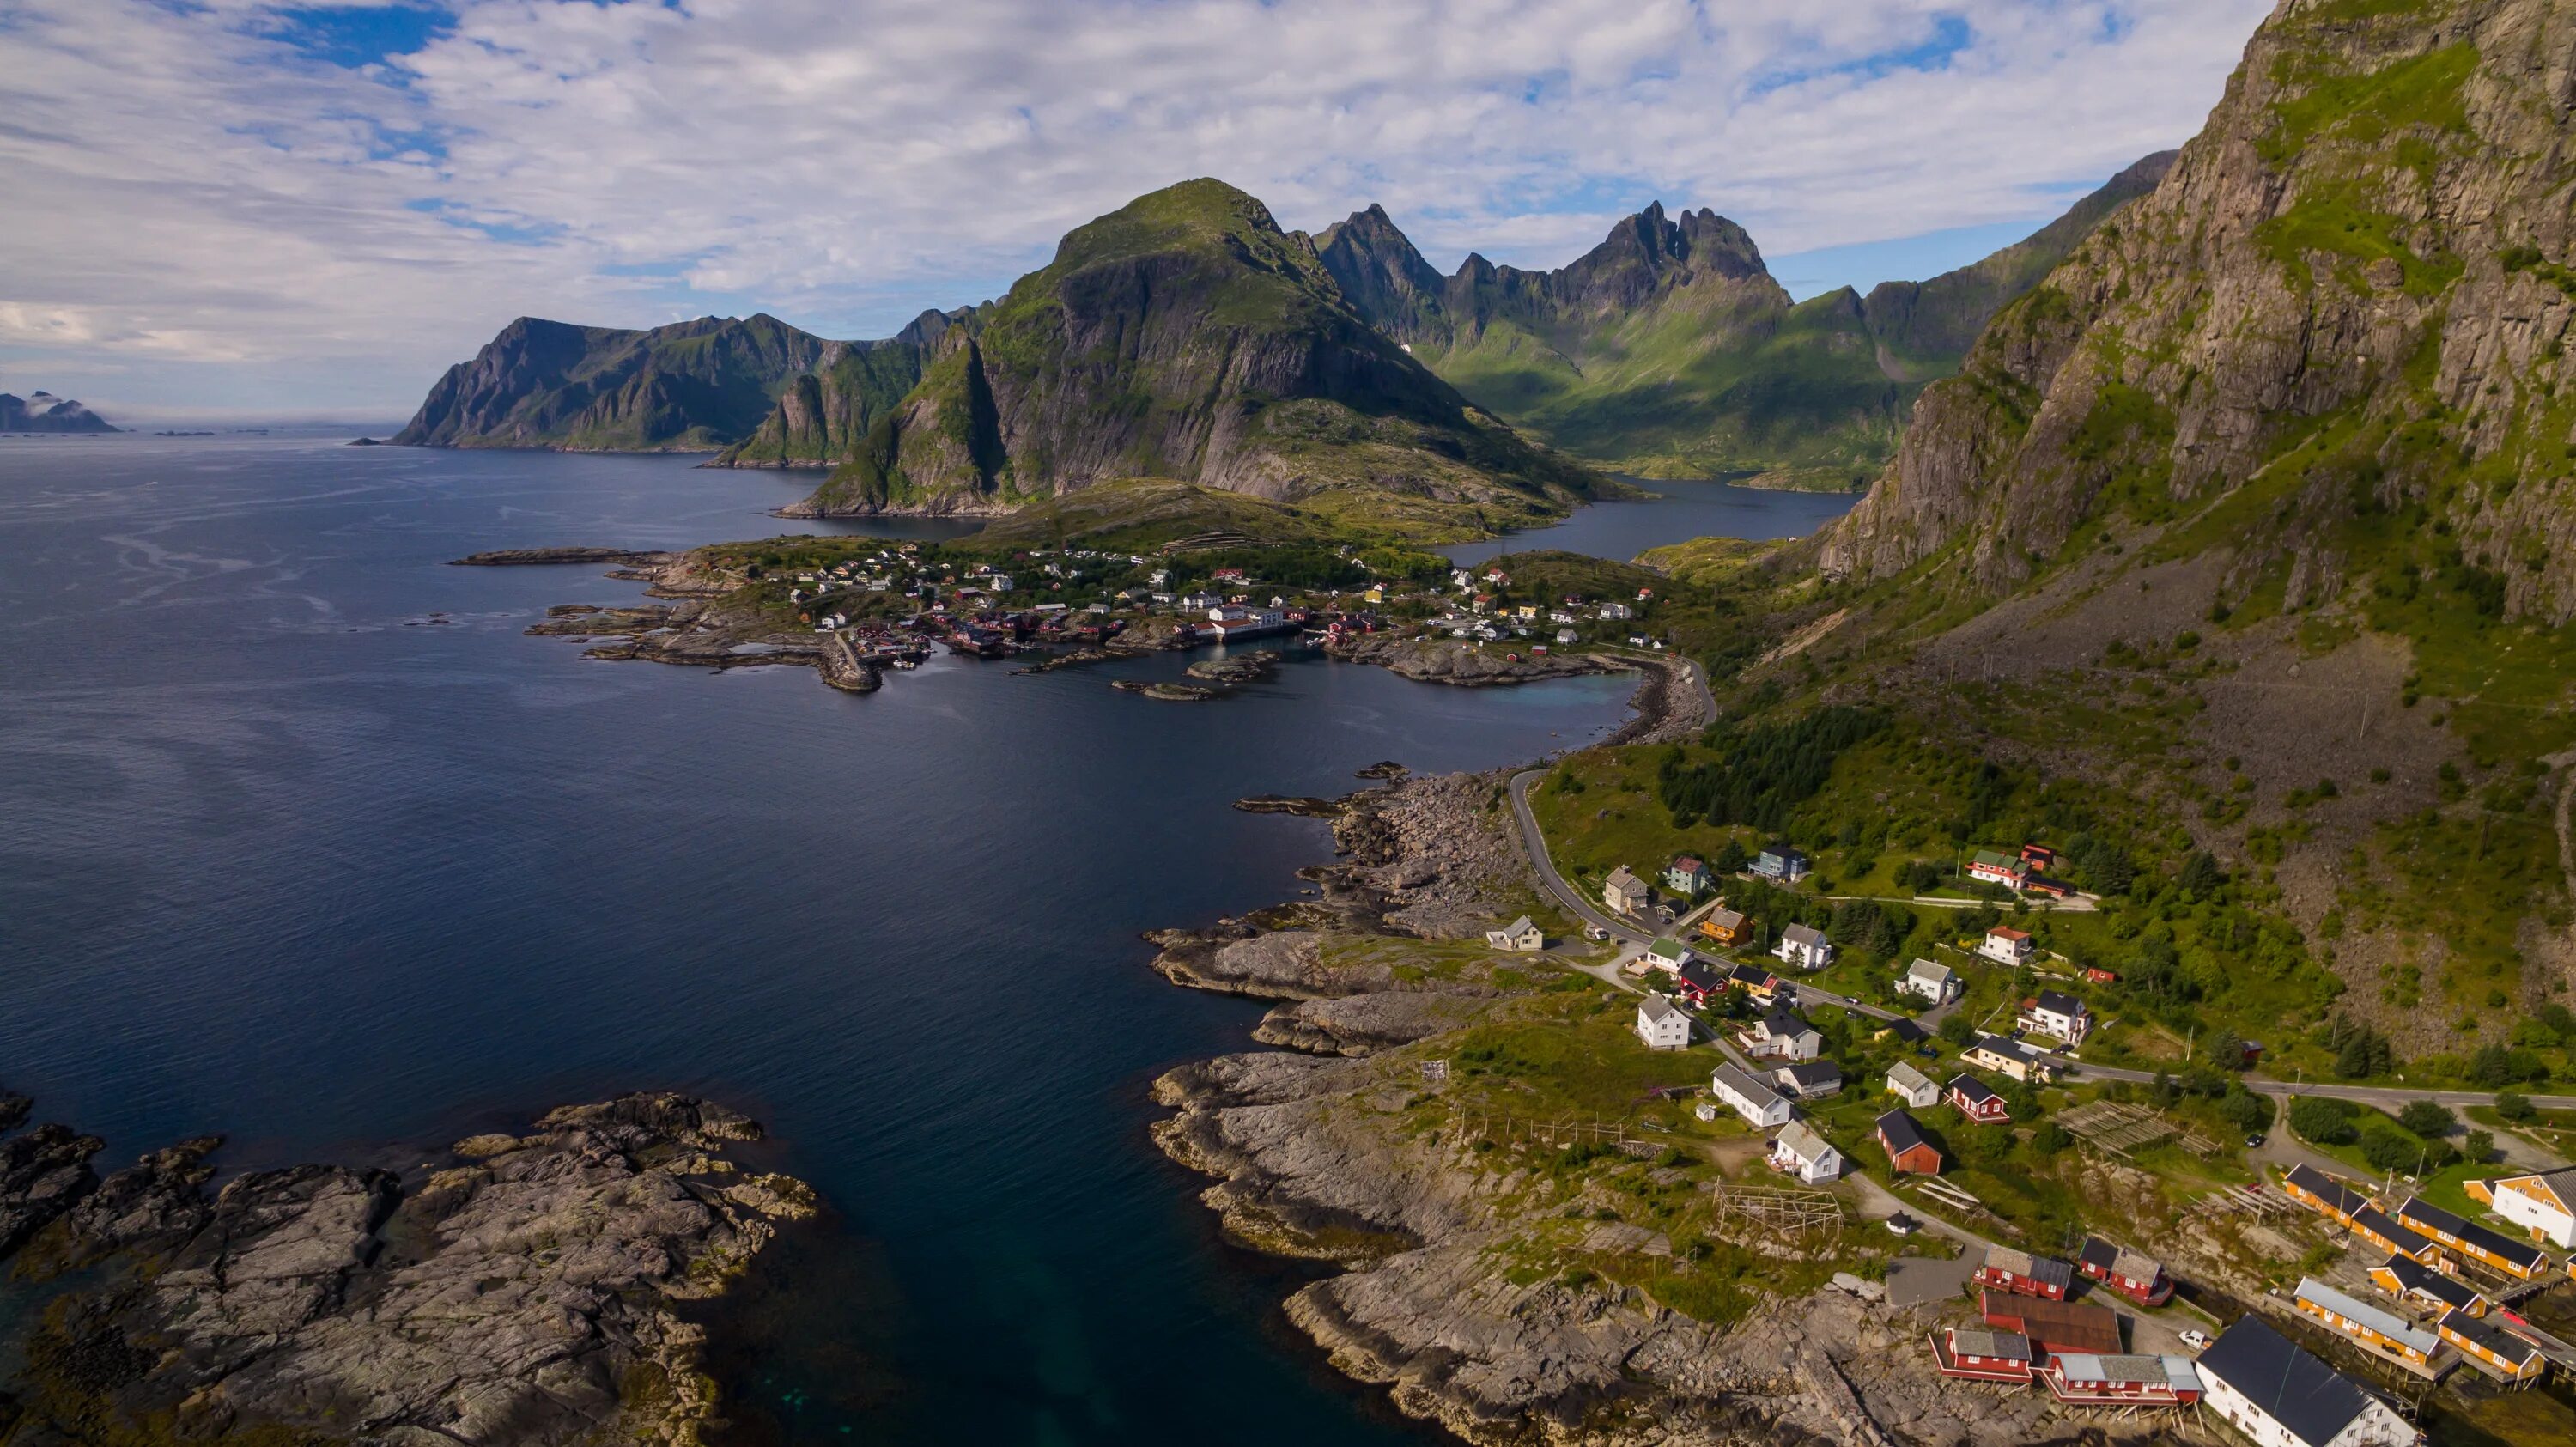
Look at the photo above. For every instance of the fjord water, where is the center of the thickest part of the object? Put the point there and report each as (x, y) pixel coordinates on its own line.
(304, 843)
(1669, 513)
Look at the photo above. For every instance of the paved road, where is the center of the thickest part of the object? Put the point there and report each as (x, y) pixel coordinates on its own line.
(1590, 911)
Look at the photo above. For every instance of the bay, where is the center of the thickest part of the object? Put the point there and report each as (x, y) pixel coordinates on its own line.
(306, 844)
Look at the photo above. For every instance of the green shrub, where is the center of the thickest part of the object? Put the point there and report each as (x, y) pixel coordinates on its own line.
(2324, 1121)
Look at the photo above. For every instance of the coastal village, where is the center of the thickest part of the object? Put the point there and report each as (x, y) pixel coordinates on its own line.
(2395, 1293)
(857, 607)
(1966, 1189)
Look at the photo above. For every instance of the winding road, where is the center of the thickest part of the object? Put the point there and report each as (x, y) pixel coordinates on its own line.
(1589, 911)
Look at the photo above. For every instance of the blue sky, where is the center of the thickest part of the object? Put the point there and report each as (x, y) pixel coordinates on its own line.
(257, 207)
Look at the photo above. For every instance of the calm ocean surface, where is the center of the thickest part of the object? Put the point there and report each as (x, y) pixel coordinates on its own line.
(302, 842)
(1677, 510)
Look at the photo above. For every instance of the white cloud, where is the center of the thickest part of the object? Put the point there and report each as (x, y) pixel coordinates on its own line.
(196, 199)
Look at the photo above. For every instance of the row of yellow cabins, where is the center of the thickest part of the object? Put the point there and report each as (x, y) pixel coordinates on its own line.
(2422, 1241)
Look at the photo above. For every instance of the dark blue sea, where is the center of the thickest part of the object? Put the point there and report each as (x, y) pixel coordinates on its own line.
(303, 842)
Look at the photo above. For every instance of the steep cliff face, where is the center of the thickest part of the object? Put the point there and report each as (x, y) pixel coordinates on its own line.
(693, 386)
(45, 412)
(1184, 336)
(2330, 342)
(1669, 349)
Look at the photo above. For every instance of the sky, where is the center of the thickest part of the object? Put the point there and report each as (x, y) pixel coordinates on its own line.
(266, 209)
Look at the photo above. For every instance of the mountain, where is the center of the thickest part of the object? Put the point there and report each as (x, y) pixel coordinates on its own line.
(2348, 294)
(823, 415)
(2251, 526)
(1670, 350)
(1186, 337)
(45, 412)
(1924, 329)
(694, 386)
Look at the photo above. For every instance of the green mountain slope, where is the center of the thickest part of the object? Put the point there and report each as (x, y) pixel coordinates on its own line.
(691, 387)
(1186, 336)
(2254, 517)
(1669, 350)
(822, 416)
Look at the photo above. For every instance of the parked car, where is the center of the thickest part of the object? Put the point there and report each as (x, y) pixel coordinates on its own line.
(2196, 1340)
(2254, 1140)
(1901, 1224)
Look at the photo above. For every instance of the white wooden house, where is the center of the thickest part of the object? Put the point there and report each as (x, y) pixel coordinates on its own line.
(1760, 1105)
(1662, 1025)
(1931, 981)
(1519, 937)
(2007, 946)
(1804, 948)
(1801, 1152)
(1912, 1086)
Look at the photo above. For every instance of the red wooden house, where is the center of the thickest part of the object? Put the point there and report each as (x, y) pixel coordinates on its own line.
(2096, 1380)
(2140, 1278)
(1908, 1153)
(2023, 1274)
(1982, 1354)
(1976, 1100)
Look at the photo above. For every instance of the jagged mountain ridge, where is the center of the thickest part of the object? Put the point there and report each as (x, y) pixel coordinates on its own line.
(1670, 349)
(1188, 336)
(45, 412)
(2352, 288)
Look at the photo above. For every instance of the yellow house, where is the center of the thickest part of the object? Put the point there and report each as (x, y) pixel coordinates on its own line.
(2498, 1350)
(2366, 1323)
(2488, 1248)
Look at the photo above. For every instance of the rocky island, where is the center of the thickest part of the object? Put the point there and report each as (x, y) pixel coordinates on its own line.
(534, 1287)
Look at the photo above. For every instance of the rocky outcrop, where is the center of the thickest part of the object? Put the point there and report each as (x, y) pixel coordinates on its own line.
(45, 412)
(2349, 294)
(43, 1174)
(1365, 1024)
(545, 557)
(530, 1290)
(1442, 660)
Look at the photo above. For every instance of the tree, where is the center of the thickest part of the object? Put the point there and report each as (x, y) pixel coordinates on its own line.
(1730, 859)
(1957, 1029)
(2514, 1106)
(2201, 876)
(2227, 1049)
(2478, 1146)
(2319, 1119)
(2050, 1138)
(2245, 1110)
(2389, 1149)
(2426, 1119)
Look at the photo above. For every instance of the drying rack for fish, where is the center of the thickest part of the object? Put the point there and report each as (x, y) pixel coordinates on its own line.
(2109, 1125)
(1777, 1208)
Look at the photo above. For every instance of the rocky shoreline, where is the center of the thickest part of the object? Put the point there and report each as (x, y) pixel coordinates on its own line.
(1333, 1148)
(530, 1288)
